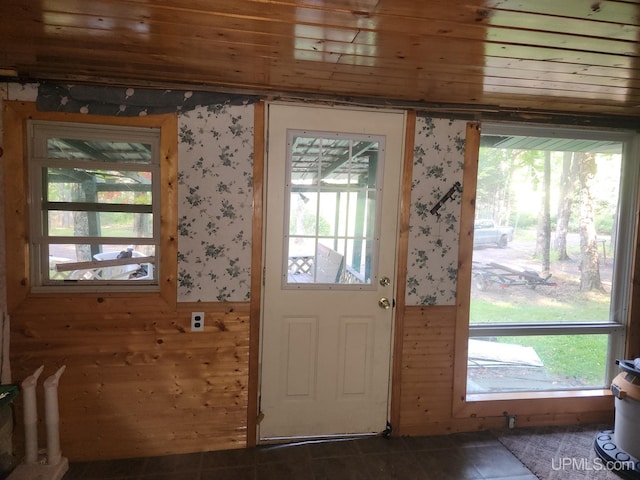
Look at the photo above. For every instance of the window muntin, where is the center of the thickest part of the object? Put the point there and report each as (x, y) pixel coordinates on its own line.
(94, 204)
(529, 306)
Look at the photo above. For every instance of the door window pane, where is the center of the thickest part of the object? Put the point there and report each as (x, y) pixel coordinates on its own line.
(332, 192)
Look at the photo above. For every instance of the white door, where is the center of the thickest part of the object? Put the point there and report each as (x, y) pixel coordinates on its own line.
(333, 178)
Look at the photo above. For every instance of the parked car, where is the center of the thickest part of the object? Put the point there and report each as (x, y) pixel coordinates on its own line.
(485, 232)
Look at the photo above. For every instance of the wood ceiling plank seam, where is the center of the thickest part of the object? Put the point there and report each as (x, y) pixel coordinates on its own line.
(556, 67)
(198, 16)
(624, 92)
(454, 47)
(561, 76)
(102, 9)
(566, 94)
(547, 23)
(549, 40)
(476, 95)
(470, 72)
(100, 62)
(403, 81)
(264, 19)
(607, 11)
(561, 41)
(198, 21)
(435, 71)
(553, 55)
(177, 51)
(542, 67)
(277, 12)
(607, 48)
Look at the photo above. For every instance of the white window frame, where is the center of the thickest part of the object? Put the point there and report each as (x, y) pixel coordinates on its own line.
(39, 132)
(622, 274)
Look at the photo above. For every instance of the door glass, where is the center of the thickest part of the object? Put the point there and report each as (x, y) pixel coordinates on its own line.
(331, 223)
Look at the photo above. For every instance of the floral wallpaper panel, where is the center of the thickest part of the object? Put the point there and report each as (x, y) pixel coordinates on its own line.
(215, 195)
(432, 265)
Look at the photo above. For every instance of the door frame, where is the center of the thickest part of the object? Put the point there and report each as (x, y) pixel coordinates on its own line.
(257, 264)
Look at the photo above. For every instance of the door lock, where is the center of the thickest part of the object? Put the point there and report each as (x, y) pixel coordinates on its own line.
(384, 303)
(385, 281)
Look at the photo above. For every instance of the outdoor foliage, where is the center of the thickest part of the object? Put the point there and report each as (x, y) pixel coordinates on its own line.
(569, 238)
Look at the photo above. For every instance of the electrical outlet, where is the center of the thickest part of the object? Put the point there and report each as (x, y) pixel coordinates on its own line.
(197, 321)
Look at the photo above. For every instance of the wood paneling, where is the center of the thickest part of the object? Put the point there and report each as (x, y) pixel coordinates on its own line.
(574, 56)
(139, 383)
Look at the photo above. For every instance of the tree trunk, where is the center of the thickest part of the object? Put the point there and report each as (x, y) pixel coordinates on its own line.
(543, 242)
(590, 264)
(565, 203)
(81, 224)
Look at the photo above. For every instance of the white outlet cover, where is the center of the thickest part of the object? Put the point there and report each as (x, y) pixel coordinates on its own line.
(197, 321)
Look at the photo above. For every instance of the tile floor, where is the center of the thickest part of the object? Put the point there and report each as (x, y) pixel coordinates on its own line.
(464, 456)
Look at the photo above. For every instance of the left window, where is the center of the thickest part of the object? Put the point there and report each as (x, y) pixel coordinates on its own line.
(94, 205)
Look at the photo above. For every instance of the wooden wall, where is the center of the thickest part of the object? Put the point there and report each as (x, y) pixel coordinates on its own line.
(137, 381)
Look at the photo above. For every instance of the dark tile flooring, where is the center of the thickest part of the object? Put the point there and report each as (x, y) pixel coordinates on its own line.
(463, 456)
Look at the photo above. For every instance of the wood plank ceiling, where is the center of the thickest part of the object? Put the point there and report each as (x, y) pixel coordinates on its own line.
(571, 56)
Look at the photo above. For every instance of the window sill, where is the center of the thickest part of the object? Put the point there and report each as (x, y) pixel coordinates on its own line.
(491, 397)
(561, 402)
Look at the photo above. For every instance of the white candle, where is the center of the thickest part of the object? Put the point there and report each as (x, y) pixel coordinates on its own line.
(52, 417)
(31, 416)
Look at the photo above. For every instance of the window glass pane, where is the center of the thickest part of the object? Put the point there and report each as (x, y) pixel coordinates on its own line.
(332, 209)
(305, 165)
(66, 262)
(536, 363)
(93, 203)
(100, 224)
(303, 213)
(98, 150)
(98, 186)
(550, 238)
(545, 229)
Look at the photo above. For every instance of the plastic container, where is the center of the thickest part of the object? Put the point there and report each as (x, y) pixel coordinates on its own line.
(626, 389)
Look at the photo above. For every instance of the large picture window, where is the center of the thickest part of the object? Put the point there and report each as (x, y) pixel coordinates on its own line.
(95, 204)
(553, 242)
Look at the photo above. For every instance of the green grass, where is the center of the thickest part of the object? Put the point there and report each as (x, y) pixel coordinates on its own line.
(579, 359)
(586, 309)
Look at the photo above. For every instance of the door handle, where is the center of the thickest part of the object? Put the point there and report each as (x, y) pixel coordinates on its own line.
(384, 303)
